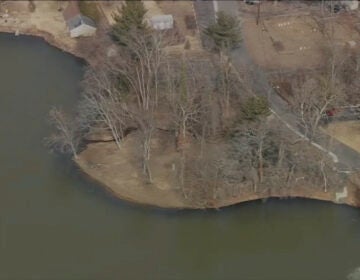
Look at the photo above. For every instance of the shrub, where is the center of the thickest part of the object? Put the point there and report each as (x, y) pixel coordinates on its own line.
(255, 107)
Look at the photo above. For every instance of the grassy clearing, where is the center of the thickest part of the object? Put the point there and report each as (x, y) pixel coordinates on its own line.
(346, 132)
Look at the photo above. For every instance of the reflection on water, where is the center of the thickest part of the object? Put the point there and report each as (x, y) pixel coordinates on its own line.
(55, 224)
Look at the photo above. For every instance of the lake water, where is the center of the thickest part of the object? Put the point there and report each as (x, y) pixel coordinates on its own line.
(54, 224)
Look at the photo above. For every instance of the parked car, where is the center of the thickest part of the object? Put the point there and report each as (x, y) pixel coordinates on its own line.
(331, 112)
(252, 2)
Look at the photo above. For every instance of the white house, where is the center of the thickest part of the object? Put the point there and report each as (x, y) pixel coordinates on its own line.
(162, 22)
(78, 24)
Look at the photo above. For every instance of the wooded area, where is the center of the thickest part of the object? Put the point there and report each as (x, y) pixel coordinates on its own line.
(225, 135)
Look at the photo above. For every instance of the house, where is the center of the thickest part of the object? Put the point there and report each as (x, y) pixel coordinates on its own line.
(162, 22)
(78, 24)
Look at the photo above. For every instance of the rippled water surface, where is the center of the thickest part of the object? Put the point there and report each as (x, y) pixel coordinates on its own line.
(56, 225)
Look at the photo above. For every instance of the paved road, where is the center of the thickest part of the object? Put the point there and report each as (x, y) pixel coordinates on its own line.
(346, 158)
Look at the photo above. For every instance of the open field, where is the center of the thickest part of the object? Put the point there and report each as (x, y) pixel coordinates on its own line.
(296, 41)
(346, 132)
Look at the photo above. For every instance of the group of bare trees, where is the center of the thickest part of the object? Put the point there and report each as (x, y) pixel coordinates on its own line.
(66, 139)
(225, 137)
(312, 100)
(123, 93)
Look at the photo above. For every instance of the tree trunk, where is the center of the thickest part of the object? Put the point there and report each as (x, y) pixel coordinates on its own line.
(261, 163)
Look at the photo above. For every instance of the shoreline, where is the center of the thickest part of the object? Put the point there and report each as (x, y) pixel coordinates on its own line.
(132, 189)
(281, 194)
(48, 38)
(351, 199)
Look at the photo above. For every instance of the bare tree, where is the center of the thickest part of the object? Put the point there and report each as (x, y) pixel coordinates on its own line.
(313, 98)
(146, 125)
(206, 176)
(184, 98)
(102, 103)
(65, 139)
(227, 83)
(249, 143)
(139, 66)
(135, 75)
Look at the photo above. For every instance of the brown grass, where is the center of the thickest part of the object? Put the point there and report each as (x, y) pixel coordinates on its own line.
(346, 132)
(290, 42)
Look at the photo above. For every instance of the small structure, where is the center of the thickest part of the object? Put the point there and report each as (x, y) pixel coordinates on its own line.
(78, 24)
(162, 22)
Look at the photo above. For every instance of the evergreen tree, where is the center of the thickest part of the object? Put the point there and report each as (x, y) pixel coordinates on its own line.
(225, 33)
(255, 107)
(129, 18)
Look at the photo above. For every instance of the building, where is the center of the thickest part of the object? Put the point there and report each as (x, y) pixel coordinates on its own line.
(81, 26)
(162, 22)
(78, 24)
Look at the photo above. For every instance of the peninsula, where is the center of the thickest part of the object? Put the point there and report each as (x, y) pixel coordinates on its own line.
(207, 104)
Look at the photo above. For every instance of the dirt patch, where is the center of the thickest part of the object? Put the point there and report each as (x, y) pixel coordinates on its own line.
(346, 132)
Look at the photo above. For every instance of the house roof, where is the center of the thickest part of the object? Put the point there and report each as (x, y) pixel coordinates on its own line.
(88, 21)
(162, 22)
(72, 10)
(162, 19)
(78, 20)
